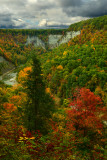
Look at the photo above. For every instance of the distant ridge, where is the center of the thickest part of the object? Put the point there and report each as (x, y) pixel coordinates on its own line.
(94, 23)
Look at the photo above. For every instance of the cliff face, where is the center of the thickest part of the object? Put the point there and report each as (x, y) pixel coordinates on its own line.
(53, 40)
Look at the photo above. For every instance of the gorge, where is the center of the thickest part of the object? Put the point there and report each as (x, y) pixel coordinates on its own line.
(54, 40)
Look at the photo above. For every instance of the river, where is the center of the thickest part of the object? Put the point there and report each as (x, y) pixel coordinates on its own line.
(9, 78)
(9, 73)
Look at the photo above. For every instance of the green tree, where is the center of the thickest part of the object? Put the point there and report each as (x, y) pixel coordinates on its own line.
(39, 105)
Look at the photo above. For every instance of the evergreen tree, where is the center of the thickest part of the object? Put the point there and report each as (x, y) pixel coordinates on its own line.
(39, 105)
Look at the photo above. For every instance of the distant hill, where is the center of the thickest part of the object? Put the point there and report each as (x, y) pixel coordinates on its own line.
(94, 23)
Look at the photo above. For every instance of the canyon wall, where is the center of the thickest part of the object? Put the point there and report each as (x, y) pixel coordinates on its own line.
(53, 40)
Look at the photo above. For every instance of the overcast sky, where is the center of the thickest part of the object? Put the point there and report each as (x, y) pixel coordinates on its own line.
(50, 13)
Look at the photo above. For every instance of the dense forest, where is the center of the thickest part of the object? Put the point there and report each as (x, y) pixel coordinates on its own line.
(58, 109)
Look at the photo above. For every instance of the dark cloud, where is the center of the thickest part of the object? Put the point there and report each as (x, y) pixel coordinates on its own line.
(43, 6)
(67, 3)
(95, 9)
(9, 13)
(90, 8)
(30, 13)
(6, 20)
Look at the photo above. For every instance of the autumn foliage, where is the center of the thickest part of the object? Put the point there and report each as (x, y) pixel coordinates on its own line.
(57, 111)
(83, 133)
(23, 75)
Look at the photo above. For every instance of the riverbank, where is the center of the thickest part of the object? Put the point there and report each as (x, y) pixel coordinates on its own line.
(9, 77)
(5, 66)
(8, 72)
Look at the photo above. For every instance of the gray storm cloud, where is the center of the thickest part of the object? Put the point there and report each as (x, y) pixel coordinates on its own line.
(67, 3)
(89, 8)
(6, 20)
(31, 13)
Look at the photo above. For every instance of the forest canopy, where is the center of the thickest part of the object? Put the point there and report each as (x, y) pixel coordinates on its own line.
(58, 108)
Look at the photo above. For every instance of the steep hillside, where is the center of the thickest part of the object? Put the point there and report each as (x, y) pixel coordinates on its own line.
(82, 62)
(94, 23)
(58, 109)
